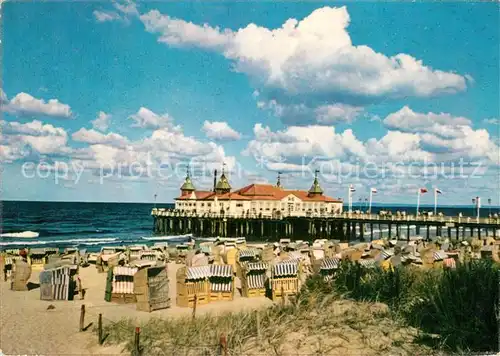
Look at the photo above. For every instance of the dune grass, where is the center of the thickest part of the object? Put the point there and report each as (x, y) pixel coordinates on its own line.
(457, 307)
(460, 305)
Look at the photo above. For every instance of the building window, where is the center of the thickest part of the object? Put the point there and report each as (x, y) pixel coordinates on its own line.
(239, 205)
(209, 204)
(202, 204)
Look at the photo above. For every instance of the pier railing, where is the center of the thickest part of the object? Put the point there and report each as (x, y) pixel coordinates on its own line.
(398, 217)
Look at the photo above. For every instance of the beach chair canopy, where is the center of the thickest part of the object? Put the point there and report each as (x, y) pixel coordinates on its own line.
(221, 271)
(439, 255)
(200, 272)
(124, 271)
(37, 251)
(368, 263)
(285, 268)
(330, 264)
(388, 253)
(256, 266)
(247, 253)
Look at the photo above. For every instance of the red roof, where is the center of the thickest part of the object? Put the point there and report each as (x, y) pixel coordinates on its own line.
(261, 192)
(199, 194)
(227, 196)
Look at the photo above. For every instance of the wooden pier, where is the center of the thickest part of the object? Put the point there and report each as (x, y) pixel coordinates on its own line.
(344, 227)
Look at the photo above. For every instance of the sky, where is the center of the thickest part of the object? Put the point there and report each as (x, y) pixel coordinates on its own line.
(116, 101)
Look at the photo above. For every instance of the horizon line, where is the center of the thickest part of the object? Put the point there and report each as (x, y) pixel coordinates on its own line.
(485, 206)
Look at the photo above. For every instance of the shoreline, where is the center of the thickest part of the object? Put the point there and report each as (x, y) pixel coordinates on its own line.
(57, 329)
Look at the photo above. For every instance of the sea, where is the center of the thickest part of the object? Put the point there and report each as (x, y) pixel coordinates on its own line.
(93, 225)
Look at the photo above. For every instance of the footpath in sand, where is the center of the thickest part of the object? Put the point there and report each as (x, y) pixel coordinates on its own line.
(28, 327)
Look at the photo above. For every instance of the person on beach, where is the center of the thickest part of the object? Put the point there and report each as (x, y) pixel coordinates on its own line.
(24, 255)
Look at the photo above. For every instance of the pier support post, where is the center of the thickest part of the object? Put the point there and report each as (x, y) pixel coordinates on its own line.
(390, 230)
(428, 232)
(371, 231)
(408, 232)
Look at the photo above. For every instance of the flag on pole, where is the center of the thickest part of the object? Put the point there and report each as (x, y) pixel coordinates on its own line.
(352, 189)
(478, 202)
(423, 190)
(438, 191)
(374, 190)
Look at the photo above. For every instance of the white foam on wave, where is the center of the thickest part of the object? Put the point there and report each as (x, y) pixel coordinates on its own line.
(23, 234)
(166, 238)
(215, 238)
(74, 241)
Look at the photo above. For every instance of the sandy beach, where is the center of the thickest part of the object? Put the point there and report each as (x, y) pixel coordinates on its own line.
(28, 327)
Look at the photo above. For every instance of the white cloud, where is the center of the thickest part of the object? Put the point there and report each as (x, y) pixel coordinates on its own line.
(492, 121)
(311, 62)
(444, 135)
(3, 97)
(20, 140)
(34, 128)
(127, 7)
(220, 130)
(416, 139)
(300, 114)
(397, 146)
(166, 145)
(104, 16)
(147, 119)
(125, 10)
(101, 123)
(442, 124)
(24, 104)
(310, 141)
(94, 137)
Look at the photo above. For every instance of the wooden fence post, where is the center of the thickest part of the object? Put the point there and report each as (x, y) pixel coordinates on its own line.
(223, 344)
(282, 296)
(99, 329)
(194, 306)
(137, 349)
(82, 317)
(257, 316)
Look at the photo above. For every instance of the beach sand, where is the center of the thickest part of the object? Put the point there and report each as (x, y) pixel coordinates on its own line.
(27, 327)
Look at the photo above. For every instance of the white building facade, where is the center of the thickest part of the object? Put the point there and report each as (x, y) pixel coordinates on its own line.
(264, 200)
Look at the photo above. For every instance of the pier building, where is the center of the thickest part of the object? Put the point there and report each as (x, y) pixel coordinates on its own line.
(263, 200)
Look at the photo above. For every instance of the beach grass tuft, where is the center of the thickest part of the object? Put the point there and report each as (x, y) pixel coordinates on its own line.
(460, 305)
(402, 311)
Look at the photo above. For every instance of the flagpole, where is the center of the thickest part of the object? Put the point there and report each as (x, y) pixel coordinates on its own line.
(370, 205)
(418, 200)
(350, 200)
(478, 202)
(435, 201)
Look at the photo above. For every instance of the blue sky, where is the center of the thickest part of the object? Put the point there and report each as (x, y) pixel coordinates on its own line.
(96, 92)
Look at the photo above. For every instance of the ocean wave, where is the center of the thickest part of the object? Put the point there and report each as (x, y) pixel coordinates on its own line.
(23, 234)
(166, 238)
(68, 231)
(69, 241)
